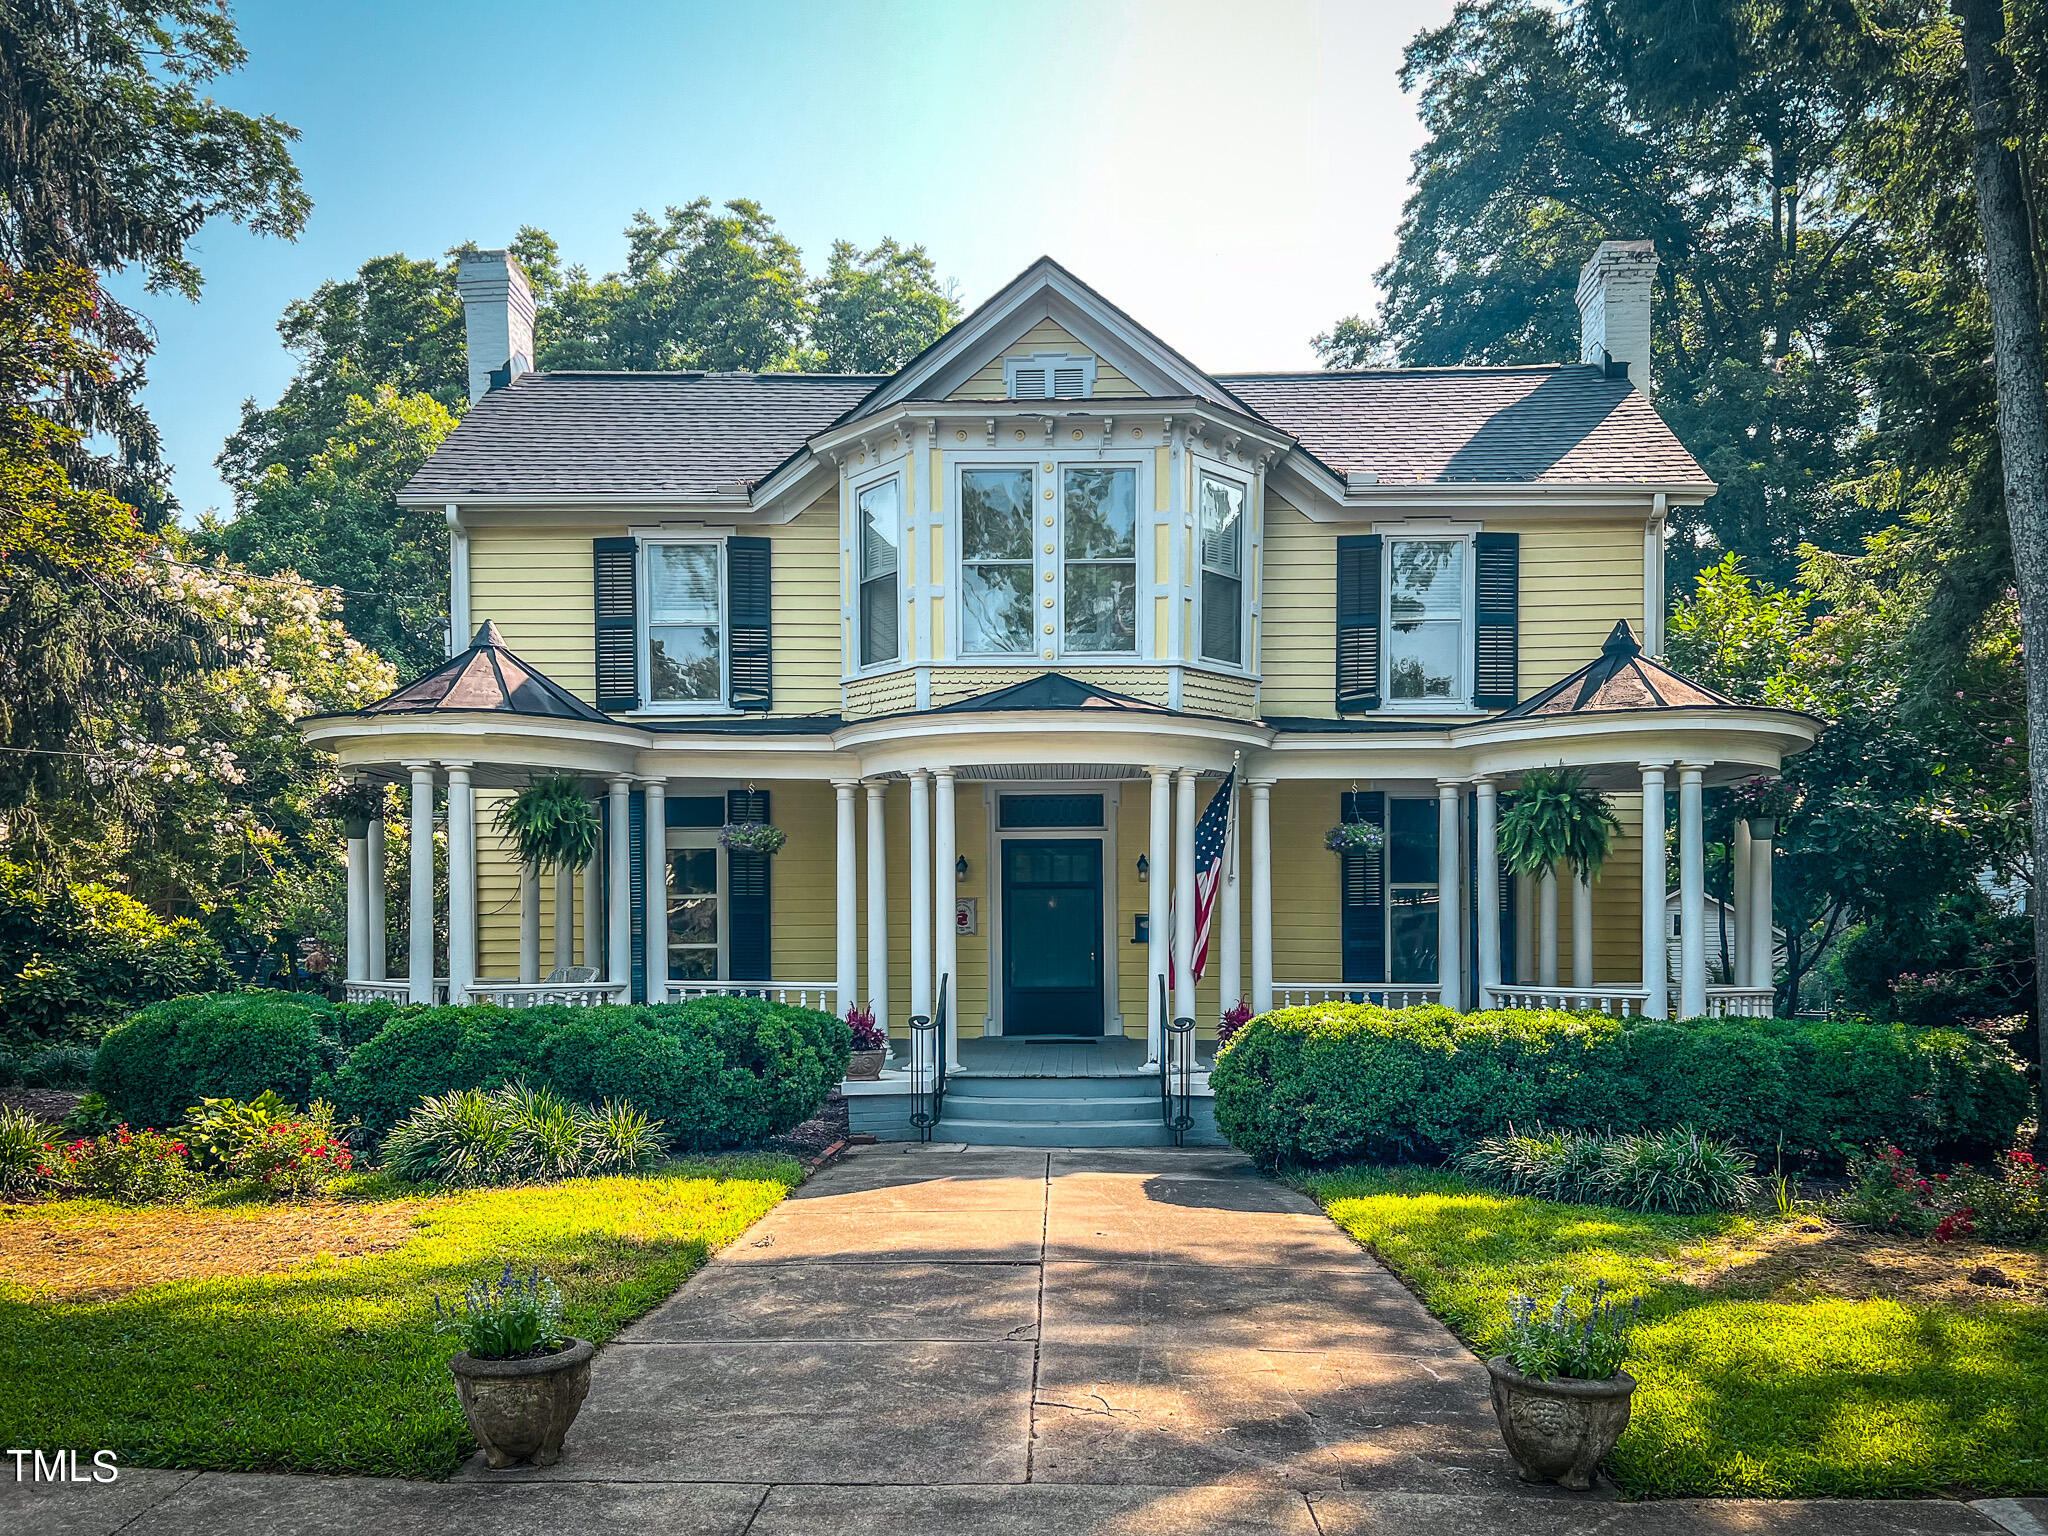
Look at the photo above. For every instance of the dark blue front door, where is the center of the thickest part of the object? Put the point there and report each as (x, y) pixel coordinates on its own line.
(1052, 937)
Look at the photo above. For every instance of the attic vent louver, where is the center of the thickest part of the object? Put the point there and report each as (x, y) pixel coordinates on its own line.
(1050, 376)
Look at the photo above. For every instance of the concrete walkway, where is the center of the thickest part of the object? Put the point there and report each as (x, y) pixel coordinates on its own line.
(1006, 1341)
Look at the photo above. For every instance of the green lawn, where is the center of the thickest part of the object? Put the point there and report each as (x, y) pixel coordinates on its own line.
(1737, 1396)
(334, 1366)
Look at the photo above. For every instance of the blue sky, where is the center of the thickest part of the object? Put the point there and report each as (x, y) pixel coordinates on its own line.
(1231, 174)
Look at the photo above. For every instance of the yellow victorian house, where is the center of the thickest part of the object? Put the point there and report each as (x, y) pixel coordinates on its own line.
(984, 636)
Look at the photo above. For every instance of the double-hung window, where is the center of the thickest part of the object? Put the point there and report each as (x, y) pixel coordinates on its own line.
(1222, 507)
(1100, 566)
(996, 563)
(1426, 639)
(880, 508)
(685, 624)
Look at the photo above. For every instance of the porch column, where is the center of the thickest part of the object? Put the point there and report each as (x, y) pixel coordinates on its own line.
(1582, 931)
(461, 883)
(373, 848)
(878, 905)
(357, 928)
(1184, 894)
(618, 951)
(1656, 956)
(654, 849)
(1692, 894)
(1159, 877)
(593, 911)
(945, 937)
(1229, 920)
(920, 894)
(565, 917)
(529, 923)
(1546, 928)
(1487, 856)
(1739, 854)
(1525, 930)
(1763, 963)
(845, 867)
(419, 907)
(1262, 895)
(1450, 904)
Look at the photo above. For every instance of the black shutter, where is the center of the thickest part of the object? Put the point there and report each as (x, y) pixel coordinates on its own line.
(746, 882)
(1497, 622)
(747, 607)
(636, 881)
(1358, 622)
(1363, 893)
(615, 563)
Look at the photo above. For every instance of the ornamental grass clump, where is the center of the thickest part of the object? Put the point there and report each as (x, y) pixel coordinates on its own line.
(517, 1135)
(30, 1155)
(512, 1318)
(1677, 1171)
(1557, 1343)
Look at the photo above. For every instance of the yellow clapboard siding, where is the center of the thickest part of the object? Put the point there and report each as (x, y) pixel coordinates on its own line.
(1046, 336)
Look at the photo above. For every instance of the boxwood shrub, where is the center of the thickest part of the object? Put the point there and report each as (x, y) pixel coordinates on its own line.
(1346, 1080)
(223, 1045)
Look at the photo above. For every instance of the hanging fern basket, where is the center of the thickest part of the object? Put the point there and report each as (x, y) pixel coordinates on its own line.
(1554, 818)
(551, 822)
(752, 837)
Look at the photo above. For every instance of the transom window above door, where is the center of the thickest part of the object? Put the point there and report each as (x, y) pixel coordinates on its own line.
(1049, 560)
(1426, 606)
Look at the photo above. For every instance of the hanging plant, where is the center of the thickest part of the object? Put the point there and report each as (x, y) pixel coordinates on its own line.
(1355, 837)
(355, 803)
(1554, 818)
(550, 822)
(752, 837)
(1763, 803)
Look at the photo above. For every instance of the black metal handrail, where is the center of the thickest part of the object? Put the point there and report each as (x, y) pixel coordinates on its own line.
(1178, 1052)
(1165, 1093)
(928, 1066)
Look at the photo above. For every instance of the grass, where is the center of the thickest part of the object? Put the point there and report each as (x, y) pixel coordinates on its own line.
(333, 1366)
(1737, 1395)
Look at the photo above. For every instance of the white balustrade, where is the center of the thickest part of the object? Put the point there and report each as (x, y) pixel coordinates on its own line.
(1300, 994)
(559, 994)
(821, 995)
(1619, 1002)
(399, 991)
(1741, 1002)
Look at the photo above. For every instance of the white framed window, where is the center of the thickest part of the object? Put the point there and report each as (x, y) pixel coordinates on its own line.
(1428, 586)
(877, 534)
(685, 626)
(1221, 501)
(1049, 376)
(696, 905)
(1099, 558)
(996, 562)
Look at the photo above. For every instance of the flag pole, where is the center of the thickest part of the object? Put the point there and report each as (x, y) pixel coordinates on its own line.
(1230, 818)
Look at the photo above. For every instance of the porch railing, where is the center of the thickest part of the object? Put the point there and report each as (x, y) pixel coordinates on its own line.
(1741, 1002)
(928, 1066)
(399, 991)
(558, 994)
(1301, 994)
(821, 995)
(1176, 1070)
(1620, 1002)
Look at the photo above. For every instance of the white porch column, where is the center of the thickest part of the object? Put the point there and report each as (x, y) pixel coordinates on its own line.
(565, 917)
(529, 923)
(1159, 887)
(419, 911)
(1692, 894)
(1582, 931)
(1450, 903)
(654, 849)
(945, 885)
(1546, 928)
(1262, 895)
(593, 910)
(1525, 930)
(1184, 894)
(878, 905)
(1738, 896)
(1763, 962)
(845, 866)
(1229, 919)
(618, 949)
(1656, 955)
(1487, 854)
(920, 894)
(357, 927)
(373, 848)
(461, 883)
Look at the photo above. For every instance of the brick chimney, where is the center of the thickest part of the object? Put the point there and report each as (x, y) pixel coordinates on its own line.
(1614, 308)
(497, 315)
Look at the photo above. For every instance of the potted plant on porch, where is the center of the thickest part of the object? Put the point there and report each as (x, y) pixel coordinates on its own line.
(522, 1381)
(1554, 818)
(870, 1045)
(1762, 802)
(550, 822)
(1559, 1391)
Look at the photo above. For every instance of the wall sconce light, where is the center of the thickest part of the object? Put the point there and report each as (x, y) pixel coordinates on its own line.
(1144, 868)
(960, 867)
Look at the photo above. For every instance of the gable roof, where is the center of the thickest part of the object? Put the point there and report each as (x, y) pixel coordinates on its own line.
(1048, 690)
(632, 434)
(1433, 426)
(1620, 678)
(487, 678)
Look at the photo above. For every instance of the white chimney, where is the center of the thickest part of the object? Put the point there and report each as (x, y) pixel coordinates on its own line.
(497, 315)
(1614, 307)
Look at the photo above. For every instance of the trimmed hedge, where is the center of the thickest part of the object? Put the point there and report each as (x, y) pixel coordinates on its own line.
(225, 1045)
(1341, 1081)
(718, 1071)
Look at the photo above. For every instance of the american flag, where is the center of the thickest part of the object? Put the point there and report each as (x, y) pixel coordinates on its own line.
(1212, 835)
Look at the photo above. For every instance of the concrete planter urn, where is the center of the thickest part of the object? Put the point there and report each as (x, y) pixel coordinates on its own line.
(865, 1066)
(1558, 1429)
(520, 1410)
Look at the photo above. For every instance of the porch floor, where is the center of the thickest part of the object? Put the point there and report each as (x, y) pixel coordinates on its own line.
(1021, 1056)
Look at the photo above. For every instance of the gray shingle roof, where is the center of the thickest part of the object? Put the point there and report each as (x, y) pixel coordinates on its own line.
(1567, 424)
(614, 434)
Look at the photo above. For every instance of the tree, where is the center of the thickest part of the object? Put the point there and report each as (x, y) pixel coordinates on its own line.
(876, 310)
(2011, 282)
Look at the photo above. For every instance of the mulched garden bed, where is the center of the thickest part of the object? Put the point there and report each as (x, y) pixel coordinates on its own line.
(810, 1142)
(49, 1105)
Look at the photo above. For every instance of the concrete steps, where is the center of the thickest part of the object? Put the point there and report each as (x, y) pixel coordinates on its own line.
(1053, 1112)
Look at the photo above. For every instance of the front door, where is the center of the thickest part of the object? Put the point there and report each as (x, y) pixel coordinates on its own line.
(1052, 937)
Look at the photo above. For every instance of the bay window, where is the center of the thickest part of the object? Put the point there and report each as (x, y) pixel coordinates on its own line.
(1100, 565)
(1222, 511)
(1426, 642)
(995, 562)
(685, 624)
(880, 508)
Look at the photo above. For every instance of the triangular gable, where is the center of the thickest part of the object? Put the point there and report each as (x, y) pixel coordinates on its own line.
(1046, 292)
